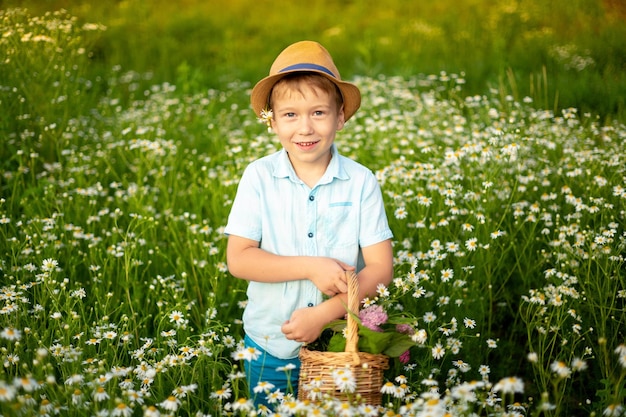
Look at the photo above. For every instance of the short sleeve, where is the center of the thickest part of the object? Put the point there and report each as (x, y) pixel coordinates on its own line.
(245, 218)
(374, 227)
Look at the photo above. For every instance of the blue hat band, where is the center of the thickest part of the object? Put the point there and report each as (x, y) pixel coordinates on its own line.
(305, 67)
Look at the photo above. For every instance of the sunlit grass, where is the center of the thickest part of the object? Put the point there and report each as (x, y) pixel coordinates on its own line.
(562, 53)
(115, 298)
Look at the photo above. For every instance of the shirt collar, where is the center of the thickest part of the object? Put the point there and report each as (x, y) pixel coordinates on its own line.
(335, 169)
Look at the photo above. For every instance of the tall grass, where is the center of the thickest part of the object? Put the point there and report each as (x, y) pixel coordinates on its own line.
(115, 299)
(576, 46)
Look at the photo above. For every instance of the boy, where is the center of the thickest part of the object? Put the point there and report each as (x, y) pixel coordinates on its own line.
(303, 216)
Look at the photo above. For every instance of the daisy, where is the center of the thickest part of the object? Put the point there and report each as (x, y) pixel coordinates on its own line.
(135, 397)
(77, 397)
(438, 351)
(263, 386)
(420, 337)
(382, 291)
(252, 353)
(49, 265)
(110, 335)
(400, 213)
(497, 234)
(28, 384)
(344, 379)
(469, 323)
(509, 385)
(400, 391)
(10, 333)
(484, 370)
(622, 360)
(222, 394)
(367, 410)
(277, 396)
(7, 392)
(344, 409)
(613, 410)
(463, 366)
(471, 244)
(388, 388)
(100, 394)
(229, 341)
(122, 410)
(243, 404)
(447, 274)
(171, 403)
(424, 201)
(464, 392)
(429, 317)
(152, 411)
(177, 318)
(561, 369)
(288, 367)
(79, 293)
(579, 364)
(401, 379)
(419, 292)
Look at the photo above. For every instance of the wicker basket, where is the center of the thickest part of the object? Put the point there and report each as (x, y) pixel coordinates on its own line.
(367, 368)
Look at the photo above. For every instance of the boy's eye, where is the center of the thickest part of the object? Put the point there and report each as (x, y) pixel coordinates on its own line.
(319, 113)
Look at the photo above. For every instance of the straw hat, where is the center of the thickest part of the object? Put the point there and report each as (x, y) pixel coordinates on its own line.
(305, 56)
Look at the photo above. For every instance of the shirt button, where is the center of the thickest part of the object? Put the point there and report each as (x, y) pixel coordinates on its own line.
(310, 234)
(311, 197)
(310, 304)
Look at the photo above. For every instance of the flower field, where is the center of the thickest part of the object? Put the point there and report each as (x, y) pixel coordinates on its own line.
(115, 300)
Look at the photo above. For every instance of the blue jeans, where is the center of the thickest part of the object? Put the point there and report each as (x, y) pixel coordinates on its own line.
(264, 369)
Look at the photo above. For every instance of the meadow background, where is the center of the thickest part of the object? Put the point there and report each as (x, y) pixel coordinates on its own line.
(495, 128)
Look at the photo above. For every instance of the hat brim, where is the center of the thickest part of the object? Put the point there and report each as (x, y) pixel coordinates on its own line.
(350, 92)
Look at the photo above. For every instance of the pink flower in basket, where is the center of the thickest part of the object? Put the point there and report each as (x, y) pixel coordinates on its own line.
(373, 316)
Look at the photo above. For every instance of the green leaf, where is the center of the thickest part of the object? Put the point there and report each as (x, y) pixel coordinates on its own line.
(336, 325)
(373, 342)
(337, 343)
(398, 344)
(401, 320)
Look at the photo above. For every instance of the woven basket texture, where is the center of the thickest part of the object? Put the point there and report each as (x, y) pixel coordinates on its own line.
(366, 368)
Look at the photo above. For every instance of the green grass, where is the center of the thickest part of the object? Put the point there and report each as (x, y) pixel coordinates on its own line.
(561, 53)
(116, 184)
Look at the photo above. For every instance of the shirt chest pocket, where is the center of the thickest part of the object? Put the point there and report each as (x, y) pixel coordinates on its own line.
(338, 224)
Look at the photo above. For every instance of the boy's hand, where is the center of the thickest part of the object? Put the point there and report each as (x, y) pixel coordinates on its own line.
(305, 325)
(329, 276)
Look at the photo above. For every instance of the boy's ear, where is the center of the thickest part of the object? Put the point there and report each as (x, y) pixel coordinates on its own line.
(341, 119)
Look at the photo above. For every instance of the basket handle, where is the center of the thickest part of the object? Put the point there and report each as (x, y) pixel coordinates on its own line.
(352, 338)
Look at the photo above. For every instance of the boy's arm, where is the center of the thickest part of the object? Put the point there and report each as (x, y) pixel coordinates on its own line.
(247, 261)
(306, 324)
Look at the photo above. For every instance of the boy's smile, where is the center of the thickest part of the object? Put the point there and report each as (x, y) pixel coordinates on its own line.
(306, 120)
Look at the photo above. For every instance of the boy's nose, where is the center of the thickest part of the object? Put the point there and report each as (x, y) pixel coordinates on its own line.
(306, 127)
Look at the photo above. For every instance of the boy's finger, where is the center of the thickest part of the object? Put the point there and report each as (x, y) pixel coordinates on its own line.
(342, 286)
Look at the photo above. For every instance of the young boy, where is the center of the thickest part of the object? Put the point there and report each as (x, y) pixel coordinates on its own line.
(303, 216)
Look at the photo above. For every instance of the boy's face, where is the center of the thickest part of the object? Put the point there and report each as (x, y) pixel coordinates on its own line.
(306, 120)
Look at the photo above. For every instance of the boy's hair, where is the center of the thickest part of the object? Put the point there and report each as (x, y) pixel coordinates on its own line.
(294, 81)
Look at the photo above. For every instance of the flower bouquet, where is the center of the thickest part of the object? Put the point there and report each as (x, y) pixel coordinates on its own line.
(349, 359)
(378, 333)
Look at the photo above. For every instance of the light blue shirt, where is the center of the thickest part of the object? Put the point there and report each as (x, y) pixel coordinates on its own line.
(341, 214)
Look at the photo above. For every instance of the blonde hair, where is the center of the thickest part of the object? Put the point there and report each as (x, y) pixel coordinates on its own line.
(295, 81)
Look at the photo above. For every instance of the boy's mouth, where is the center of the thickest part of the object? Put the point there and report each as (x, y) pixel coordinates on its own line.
(306, 144)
